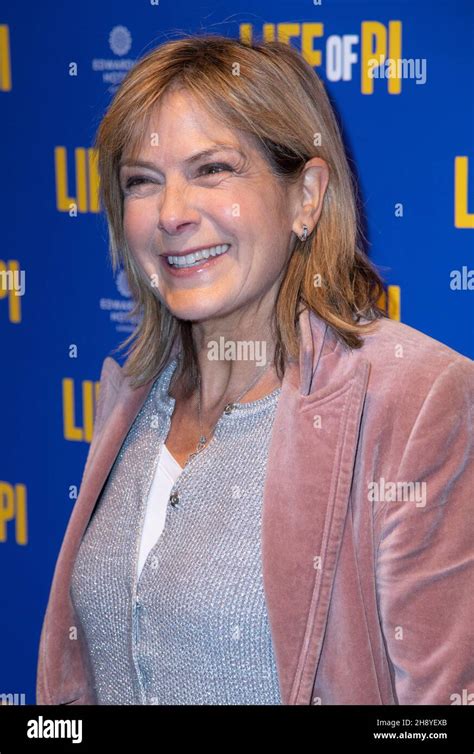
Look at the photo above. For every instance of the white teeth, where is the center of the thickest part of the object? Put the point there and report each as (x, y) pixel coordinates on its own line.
(189, 259)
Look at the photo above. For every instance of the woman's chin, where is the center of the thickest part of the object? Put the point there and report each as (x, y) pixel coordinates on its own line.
(193, 312)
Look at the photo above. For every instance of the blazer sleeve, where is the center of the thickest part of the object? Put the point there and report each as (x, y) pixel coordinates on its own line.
(425, 558)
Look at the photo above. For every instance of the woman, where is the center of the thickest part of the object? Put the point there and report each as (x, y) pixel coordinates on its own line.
(277, 502)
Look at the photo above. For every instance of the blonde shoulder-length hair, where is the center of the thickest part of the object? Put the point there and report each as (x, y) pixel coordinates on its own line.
(279, 100)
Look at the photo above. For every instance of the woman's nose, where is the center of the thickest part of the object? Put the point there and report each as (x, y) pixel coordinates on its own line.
(175, 209)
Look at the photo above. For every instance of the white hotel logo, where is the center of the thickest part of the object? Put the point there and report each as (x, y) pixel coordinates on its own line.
(114, 69)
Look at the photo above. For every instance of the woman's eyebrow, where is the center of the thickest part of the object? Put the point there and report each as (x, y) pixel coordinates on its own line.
(188, 161)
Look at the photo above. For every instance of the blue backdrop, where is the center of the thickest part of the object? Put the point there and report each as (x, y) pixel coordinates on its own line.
(409, 131)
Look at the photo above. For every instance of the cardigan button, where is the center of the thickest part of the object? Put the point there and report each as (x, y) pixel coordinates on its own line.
(174, 499)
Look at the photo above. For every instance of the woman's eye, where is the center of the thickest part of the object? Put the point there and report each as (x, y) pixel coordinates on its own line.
(218, 166)
(211, 169)
(136, 181)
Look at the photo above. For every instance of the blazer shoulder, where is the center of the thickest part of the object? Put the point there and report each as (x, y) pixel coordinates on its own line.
(392, 339)
(111, 378)
(406, 366)
(111, 371)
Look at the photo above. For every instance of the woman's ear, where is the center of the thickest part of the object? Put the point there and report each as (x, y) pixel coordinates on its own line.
(310, 192)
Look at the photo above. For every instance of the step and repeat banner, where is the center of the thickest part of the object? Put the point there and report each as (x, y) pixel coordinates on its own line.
(408, 125)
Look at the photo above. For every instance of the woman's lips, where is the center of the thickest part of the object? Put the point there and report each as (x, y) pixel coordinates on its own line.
(201, 266)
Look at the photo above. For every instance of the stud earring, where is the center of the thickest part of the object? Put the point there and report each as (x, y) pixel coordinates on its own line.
(304, 236)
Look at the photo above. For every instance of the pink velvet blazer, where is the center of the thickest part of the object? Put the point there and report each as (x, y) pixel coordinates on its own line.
(367, 528)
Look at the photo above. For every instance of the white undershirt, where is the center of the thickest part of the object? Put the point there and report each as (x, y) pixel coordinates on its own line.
(166, 473)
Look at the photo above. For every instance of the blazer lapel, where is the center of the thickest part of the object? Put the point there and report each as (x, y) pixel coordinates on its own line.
(307, 487)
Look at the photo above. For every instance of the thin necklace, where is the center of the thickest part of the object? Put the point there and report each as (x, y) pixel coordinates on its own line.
(227, 410)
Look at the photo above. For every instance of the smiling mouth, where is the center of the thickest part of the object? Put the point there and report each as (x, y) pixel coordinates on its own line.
(196, 257)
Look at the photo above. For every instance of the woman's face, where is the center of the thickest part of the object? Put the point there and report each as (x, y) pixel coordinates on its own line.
(182, 201)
